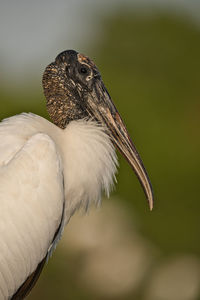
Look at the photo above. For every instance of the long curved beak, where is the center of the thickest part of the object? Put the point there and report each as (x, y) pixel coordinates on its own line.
(101, 107)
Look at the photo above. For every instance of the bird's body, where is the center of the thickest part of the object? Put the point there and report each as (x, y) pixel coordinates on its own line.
(38, 159)
(48, 171)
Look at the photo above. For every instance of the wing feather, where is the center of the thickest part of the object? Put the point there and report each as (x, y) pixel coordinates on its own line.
(31, 213)
(27, 286)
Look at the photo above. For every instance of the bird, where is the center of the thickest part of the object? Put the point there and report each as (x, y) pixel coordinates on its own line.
(50, 169)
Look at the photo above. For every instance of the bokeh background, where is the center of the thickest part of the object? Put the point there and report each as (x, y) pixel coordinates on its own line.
(149, 55)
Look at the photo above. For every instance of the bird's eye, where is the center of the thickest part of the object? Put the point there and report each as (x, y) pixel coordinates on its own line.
(83, 70)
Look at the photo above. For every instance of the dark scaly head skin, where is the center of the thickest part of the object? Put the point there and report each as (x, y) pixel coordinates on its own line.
(74, 90)
(65, 83)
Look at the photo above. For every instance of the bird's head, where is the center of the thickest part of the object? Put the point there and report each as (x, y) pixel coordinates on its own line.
(74, 90)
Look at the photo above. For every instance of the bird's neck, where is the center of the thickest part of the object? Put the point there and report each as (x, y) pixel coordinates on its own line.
(57, 110)
(62, 98)
(89, 161)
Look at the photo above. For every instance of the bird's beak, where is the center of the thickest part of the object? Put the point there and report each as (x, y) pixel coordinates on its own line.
(101, 107)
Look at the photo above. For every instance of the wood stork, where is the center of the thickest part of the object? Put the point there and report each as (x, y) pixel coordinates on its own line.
(49, 170)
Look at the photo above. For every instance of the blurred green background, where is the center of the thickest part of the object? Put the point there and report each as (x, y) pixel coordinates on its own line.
(149, 61)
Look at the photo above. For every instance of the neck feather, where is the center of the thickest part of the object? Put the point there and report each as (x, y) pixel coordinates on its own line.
(89, 164)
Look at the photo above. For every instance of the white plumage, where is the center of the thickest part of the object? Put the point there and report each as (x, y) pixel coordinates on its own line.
(41, 167)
